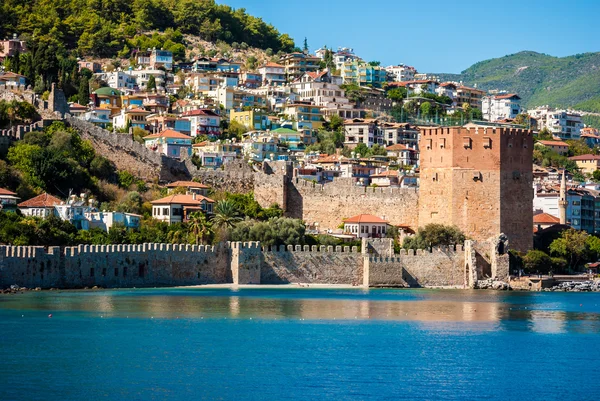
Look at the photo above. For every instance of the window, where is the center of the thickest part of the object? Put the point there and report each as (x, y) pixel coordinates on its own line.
(467, 142)
(487, 142)
(165, 211)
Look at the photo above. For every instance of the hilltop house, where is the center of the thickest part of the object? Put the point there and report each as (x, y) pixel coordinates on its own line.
(8, 199)
(40, 206)
(170, 143)
(177, 208)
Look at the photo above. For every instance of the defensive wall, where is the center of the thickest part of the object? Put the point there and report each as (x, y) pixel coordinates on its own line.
(150, 265)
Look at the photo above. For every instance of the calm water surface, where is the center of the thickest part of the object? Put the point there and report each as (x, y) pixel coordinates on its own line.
(299, 344)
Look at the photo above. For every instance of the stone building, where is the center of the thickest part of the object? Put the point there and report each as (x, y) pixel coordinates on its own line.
(478, 178)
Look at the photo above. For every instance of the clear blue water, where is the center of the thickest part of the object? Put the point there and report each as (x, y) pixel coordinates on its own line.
(299, 344)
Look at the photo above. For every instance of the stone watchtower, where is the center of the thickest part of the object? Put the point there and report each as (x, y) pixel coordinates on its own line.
(480, 179)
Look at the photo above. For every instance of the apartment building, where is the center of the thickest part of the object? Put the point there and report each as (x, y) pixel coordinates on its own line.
(358, 131)
(363, 74)
(273, 74)
(306, 115)
(161, 59)
(203, 122)
(254, 119)
(296, 64)
(501, 107)
(562, 123)
(472, 96)
(400, 73)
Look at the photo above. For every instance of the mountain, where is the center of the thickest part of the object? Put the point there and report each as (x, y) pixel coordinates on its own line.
(540, 79)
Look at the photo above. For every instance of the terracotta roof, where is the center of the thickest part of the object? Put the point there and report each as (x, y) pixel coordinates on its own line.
(553, 143)
(168, 133)
(138, 110)
(315, 75)
(585, 157)
(182, 200)
(328, 159)
(397, 147)
(43, 200)
(200, 145)
(6, 192)
(186, 184)
(508, 96)
(271, 64)
(201, 112)
(545, 218)
(365, 218)
(75, 106)
(389, 173)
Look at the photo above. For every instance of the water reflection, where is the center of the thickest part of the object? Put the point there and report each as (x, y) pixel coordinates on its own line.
(544, 313)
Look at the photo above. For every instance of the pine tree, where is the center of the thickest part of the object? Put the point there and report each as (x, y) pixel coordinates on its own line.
(84, 91)
(151, 85)
(305, 48)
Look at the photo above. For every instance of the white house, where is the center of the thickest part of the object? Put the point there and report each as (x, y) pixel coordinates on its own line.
(8, 199)
(170, 143)
(106, 220)
(177, 208)
(40, 206)
(500, 107)
(366, 226)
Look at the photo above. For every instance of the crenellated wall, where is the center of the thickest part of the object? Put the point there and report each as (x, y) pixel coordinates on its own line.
(114, 266)
(150, 265)
(318, 265)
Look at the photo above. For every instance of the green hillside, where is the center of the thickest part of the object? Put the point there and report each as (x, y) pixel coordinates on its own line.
(539, 79)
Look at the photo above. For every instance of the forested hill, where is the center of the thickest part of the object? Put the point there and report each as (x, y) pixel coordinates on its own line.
(539, 79)
(106, 28)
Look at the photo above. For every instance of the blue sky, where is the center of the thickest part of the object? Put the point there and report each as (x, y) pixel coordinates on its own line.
(434, 35)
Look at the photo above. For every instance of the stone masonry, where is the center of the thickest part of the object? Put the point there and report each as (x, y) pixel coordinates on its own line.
(150, 265)
(479, 179)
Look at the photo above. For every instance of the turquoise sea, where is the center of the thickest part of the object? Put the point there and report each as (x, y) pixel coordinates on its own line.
(299, 344)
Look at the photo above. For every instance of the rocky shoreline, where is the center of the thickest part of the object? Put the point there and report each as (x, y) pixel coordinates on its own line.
(575, 286)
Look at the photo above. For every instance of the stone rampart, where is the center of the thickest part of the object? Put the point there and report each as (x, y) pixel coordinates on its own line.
(328, 204)
(315, 265)
(114, 266)
(150, 265)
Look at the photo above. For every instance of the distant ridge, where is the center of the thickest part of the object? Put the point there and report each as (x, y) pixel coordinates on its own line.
(572, 81)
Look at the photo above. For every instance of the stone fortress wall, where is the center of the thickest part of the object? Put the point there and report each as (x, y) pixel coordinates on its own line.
(151, 265)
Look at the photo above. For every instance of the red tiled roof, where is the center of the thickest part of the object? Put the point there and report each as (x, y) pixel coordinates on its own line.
(585, 157)
(545, 218)
(186, 184)
(508, 96)
(397, 147)
(365, 218)
(75, 106)
(389, 173)
(169, 133)
(138, 110)
(201, 112)
(553, 143)
(182, 200)
(43, 200)
(6, 192)
(271, 64)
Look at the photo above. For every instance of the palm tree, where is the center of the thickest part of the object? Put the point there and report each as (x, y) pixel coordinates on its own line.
(199, 227)
(226, 214)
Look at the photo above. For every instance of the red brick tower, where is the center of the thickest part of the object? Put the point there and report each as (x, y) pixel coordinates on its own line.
(478, 178)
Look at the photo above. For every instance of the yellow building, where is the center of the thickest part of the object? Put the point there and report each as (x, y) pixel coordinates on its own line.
(255, 119)
(306, 115)
(587, 163)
